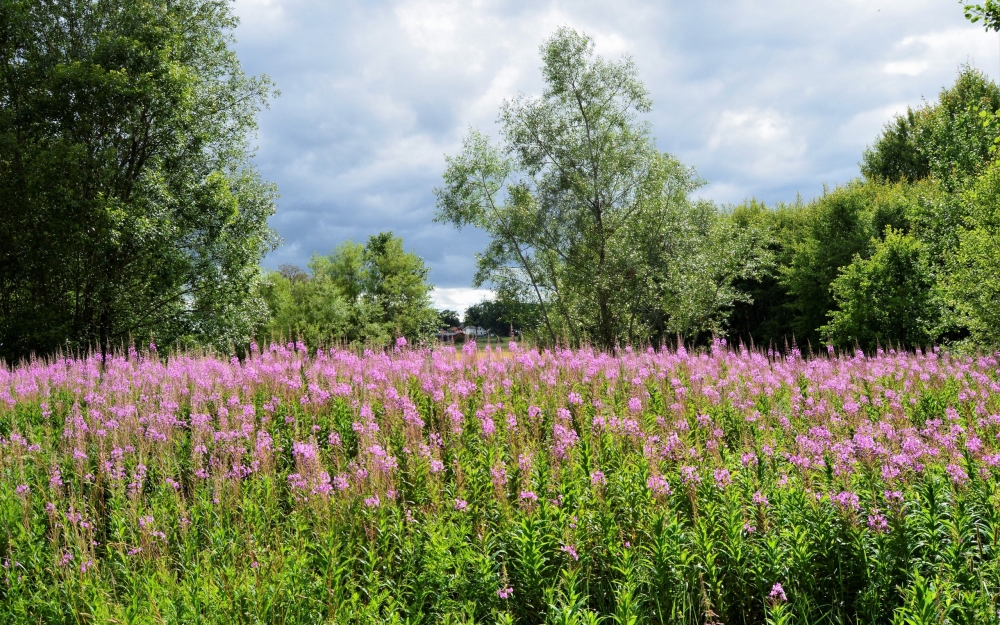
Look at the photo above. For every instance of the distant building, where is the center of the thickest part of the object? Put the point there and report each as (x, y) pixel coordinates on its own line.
(448, 335)
(475, 331)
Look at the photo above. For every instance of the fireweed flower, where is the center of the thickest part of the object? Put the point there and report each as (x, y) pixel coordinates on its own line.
(505, 593)
(759, 499)
(461, 505)
(658, 485)
(597, 478)
(777, 593)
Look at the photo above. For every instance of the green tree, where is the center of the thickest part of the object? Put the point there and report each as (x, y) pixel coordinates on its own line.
(499, 316)
(448, 318)
(946, 139)
(987, 12)
(886, 298)
(362, 294)
(128, 202)
(973, 283)
(837, 227)
(587, 218)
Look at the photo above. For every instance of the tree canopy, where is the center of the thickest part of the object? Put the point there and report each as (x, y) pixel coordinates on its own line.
(364, 294)
(129, 203)
(587, 218)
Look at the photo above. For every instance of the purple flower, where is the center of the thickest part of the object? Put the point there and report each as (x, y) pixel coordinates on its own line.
(571, 551)
(527, 495)
(461, 505)
(759, 499)
(658, 485)
(22, 489)
(722, 478)
(597, 478)
(957, 474)
(777, 593)
(505, 593)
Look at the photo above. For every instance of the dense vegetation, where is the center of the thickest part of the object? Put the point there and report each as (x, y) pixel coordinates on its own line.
(601, 232)
(498, 487)
(128, 201)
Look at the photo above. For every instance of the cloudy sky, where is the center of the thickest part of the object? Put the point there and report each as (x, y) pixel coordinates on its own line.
(770, 99)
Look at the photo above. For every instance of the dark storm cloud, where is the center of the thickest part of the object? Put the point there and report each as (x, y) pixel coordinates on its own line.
(765, 99)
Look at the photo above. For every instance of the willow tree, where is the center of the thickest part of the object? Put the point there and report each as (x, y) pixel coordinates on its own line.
(129, 205)
(586, 216)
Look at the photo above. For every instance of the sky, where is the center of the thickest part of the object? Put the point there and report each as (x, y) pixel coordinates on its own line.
(766, 99)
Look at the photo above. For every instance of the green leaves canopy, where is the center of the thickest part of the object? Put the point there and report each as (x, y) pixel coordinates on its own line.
(366, 294)
(128, 202)
(587, 218)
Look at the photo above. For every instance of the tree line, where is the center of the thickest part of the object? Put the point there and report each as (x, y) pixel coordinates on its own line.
(130, 207)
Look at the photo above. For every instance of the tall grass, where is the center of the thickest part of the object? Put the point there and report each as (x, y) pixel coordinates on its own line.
(421, 486)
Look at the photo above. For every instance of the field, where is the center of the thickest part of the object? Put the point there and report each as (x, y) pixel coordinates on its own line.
(567, 486)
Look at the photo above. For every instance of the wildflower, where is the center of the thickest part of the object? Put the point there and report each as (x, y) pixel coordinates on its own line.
(957, 474)
(658, 485)
(505, 593)
(527, 495)
(877, 521)
(372, 502)
(722, 478)
(689, 476)
(401, 342)
(22, 489)
(569, 549)
(759, 499)
(777, 593)
(597, 478)
(461, 505)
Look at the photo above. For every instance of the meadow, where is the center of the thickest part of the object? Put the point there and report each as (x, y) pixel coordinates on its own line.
(520, 486)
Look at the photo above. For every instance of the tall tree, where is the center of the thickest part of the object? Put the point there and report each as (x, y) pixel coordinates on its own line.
(587, 218)
(128, 201)
(363, 294)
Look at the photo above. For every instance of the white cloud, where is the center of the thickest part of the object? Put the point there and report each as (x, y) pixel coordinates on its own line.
(458, 299)
(767, 99)
(761, 143)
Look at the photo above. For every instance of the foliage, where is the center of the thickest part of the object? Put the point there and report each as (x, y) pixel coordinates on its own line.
(587, 218)
(500, 315)
(988, 12)
(448, 318)
(366, 294)
(510, 487)
(128, 202)
(838, 226)
(974, 280)
(946, 140)
(886, 297)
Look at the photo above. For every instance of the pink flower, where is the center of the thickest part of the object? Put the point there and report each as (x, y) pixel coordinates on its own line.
(722, 478)
(505, 593)
(759, 499)
(658, 485)
(461, 505)
(597, 478)
(777, 593)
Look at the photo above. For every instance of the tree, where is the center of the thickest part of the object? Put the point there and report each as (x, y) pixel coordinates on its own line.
(887, 298)
(947, 140)
(586, 217)
(837, 227)
(499, 316)
(362, 294)
(129, 205)
(987, 12)
(448, 318)
(973, 283)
